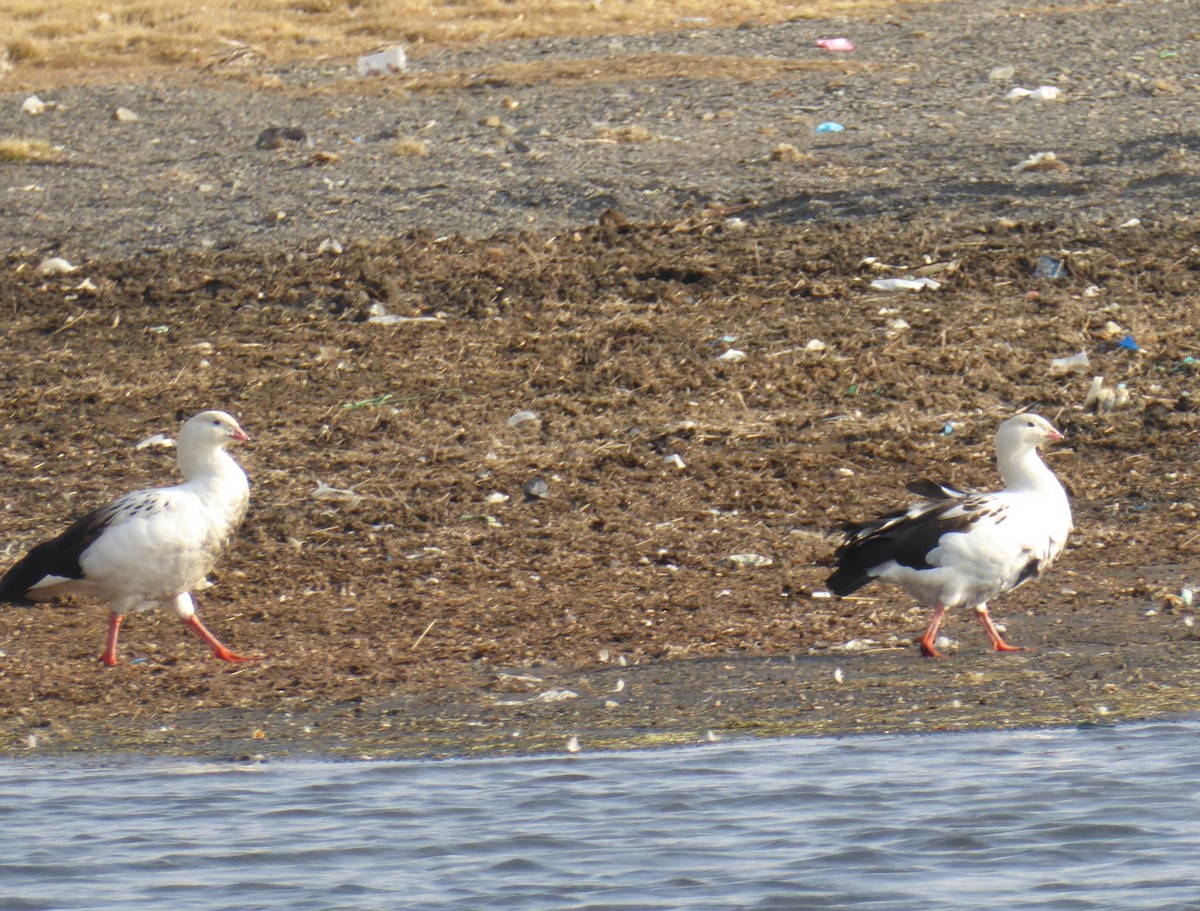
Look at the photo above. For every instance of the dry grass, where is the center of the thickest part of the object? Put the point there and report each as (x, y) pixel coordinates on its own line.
(18, 148)
(123, 34)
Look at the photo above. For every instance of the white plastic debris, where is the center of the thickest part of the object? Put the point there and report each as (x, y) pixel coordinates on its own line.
(555, 695)
(838, 675)
(745, 561)
(124, 115)
(733, 355)
(1076, 363)
(573, 745)
(1132, 223)
(33, 106)
(337, 494)
(55, 265)
(905, 284)
(496, 499)
(522, 417)
(382, 63)
(815, 344)
(158, 439)
(1041, 93)
(1101, 398)
(1040, 161)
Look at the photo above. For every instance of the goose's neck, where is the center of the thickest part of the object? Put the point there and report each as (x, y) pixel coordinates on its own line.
(1025, 470)
(209, 466)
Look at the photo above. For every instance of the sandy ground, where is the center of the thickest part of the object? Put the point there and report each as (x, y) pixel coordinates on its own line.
(636, 208)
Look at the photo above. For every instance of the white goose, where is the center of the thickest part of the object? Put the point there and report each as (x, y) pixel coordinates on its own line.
(961, 548)
(148, 548)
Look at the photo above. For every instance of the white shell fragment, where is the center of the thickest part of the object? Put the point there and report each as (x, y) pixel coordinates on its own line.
(733, 355)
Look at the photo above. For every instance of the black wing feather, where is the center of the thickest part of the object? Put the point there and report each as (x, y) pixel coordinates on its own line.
(904, 536)
(56, 557)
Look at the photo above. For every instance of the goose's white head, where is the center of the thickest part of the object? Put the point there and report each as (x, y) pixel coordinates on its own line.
(1024, 432)
(210, 430)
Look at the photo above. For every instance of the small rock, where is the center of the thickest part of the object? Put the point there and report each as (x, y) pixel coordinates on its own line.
(1001, 73)
(33, 106)
(536, 489)
(55, 265)
(124, 115)
(279, 137)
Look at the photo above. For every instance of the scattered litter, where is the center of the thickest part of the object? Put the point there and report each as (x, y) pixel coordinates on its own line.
(522, 417)
(1128, 343)
(821, 596)
(675, 460)
(124, 115)
(1101, 398)
(906, 284)
(337, 494)
(1186, 595)
(555, 695)
(330, 245)
(1132, 223)
(279, 137)
(945, 644)
(899, 325)
(733, 355)
(536, 489)
(747, 560)
(835, 44)
(496, 499)
(55, 265)
(1041, 93)
(33, 106)
(573, 744)
(1111, 330)
(1049, 267)
(158, 439)
(712, 736)
(1002, 73)
(815, 344)
(1041, 161)
(381, 63)
(948, 428)
(839, 675)
(1076, 363)
(830, 126)
(855, 645)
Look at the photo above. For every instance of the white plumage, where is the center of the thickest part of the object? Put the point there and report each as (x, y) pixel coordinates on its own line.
(152, 547)
(963, 549)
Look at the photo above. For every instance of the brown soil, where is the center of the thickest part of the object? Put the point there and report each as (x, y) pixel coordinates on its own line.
(425, 615)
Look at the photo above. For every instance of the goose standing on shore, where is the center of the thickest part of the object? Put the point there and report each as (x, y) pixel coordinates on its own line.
(961, 548)
(148, 548)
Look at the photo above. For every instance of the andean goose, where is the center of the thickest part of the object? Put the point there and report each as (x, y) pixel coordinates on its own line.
(150, 547)
(963, 548)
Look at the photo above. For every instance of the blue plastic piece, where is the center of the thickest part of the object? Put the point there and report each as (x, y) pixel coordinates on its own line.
(829, 127)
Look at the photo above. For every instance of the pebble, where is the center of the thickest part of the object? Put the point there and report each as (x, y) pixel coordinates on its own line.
(124, 115)
(536, 489)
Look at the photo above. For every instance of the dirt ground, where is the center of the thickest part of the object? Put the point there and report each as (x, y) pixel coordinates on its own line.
(402, 592)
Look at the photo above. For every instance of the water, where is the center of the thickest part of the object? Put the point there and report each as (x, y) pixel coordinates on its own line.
(1102, 818)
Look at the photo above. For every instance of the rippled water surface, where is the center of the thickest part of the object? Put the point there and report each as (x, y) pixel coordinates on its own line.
(1104, 818)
